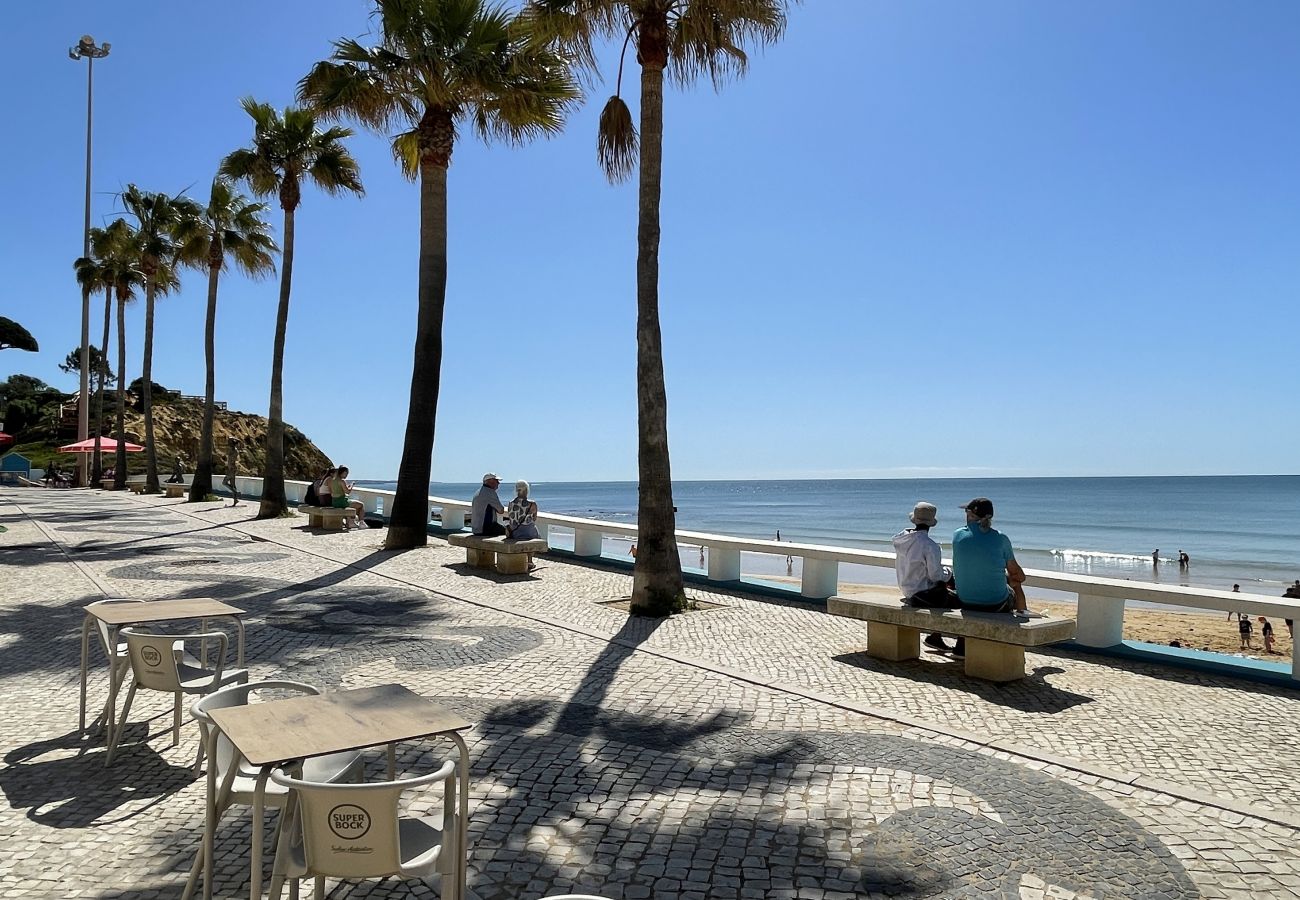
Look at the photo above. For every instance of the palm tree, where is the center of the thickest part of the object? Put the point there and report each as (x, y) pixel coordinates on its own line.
(160, 221)
(287, 148)
(439, 63)
(91, 275)
(688, 38)
(231, 226)
(121, 263)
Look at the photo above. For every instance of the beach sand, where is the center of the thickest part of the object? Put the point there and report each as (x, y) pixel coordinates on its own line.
(1195, 630)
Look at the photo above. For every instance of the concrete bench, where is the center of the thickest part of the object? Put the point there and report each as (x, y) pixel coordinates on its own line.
(328, 517)
(509, 557)
(995, 642)
(135, 487)
(176, 490)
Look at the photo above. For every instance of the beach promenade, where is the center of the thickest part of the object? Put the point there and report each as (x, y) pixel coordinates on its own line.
(751, 750)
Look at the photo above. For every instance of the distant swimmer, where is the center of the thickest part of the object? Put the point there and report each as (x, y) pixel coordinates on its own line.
(1183, 560)
(778, 534)
(1155, 557)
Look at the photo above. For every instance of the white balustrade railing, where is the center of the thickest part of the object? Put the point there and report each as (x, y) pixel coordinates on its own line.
(1100, 601)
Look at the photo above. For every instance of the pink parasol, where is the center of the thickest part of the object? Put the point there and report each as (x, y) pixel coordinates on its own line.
(6, 440)
(106, 445)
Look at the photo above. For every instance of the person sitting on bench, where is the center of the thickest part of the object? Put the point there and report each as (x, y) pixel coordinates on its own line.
(486, 507)
(521, 516)
(922, 576)
(339, 490)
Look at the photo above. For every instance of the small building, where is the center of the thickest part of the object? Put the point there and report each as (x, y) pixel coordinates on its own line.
(13, 465)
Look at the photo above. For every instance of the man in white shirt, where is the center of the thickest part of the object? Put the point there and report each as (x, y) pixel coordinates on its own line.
(486, 507)
(922, 576)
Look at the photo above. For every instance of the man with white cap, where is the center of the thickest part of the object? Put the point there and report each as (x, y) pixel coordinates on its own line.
(486, 507)
(922, 576)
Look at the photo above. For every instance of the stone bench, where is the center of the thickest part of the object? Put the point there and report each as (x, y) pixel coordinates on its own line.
(509, 557)
(328, 517)
(136, 487)
(995, 642)
(176, 490)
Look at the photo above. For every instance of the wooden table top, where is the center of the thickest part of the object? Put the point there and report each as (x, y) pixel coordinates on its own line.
(299, 727)
(162, 611)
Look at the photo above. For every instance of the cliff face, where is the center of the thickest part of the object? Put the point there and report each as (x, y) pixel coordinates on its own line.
(176, 428)
(177, 424)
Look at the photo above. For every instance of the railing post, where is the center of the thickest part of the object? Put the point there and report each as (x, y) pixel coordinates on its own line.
(428, 517)
(1100, 621)
(724, 564)
(544, 531)
(453, 516)
(821, 578)
(1295, 660)
(587, 542)
(370, 502)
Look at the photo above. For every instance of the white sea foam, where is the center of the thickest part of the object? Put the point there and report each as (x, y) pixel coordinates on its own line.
(1101, 556)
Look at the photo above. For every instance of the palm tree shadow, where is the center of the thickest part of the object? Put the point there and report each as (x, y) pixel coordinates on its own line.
(583, 714)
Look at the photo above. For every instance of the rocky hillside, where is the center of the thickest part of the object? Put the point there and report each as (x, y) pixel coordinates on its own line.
(177, 423)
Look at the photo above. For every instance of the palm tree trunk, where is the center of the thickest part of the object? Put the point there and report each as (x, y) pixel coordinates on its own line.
(202, 484)
(119, 463)
(273, 499)
(657, 575)
(146, 389)
(97, 468)
(408, 522)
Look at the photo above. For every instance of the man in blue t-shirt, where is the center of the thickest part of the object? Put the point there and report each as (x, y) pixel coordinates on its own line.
(988, 577)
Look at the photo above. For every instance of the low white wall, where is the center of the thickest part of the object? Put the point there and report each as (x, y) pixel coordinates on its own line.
(1100, 600)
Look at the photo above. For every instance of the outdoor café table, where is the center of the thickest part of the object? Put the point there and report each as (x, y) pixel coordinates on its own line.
(282, 732)
(115, 615)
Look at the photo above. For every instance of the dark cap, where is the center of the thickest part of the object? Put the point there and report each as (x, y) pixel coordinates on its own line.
(980, 507)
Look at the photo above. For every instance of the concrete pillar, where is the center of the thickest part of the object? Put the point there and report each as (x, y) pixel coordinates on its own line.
(453, 516)
(892, 642)
(544, 532)
(724, 564)
(429, 516)
(821, 578)
(994, 661)
(587, 542)
(1295, 658)
(370, 502)
(1100, 621)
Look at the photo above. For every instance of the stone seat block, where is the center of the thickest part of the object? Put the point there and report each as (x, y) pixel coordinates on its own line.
(507, 556)
(995, 642)
(327, 517)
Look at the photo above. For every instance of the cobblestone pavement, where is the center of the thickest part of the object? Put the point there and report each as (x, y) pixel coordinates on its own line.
(747, 751)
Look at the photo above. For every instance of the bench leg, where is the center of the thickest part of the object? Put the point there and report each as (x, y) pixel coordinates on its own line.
(482, 559)
(893, 642)
(512, 563)
(333, 523)
(994, 661)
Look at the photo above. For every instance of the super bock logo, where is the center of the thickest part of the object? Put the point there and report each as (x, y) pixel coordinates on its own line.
(151, 656)
(349, 822)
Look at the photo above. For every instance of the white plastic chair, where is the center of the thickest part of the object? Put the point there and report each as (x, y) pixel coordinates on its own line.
(236, 780)
(118, 661)
(356, 831)
(159, 663)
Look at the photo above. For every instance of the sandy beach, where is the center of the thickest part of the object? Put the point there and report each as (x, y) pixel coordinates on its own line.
(1199, 631)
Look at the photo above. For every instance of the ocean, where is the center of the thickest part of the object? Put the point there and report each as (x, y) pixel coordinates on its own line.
(1236, 529)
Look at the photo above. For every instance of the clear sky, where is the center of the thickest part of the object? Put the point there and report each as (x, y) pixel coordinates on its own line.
(920, 237)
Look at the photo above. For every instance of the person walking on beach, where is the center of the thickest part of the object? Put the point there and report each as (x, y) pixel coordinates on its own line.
(1244, 627)
(1183, 560)
(485, 508)
(918, 563)
(232, 464)
(1155, 558)
(1236, 589)
(1266, 629)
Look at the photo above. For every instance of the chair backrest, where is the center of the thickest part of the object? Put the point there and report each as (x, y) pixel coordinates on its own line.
(226, 756)
(351, 830)
(154, 657)
(105, 635)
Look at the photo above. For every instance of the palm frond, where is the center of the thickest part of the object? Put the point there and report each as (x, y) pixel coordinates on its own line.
(616, 140)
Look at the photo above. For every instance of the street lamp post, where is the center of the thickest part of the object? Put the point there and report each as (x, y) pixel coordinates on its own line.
(87, 50)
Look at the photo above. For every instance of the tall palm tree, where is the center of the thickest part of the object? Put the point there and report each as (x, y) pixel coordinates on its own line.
(233, 227)
(686, 38)
(439, 63)
(287, 149)
(90, 271)
(121, 262)
(161, 219)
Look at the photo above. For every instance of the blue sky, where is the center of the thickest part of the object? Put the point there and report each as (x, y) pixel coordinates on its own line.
(1003, 238)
